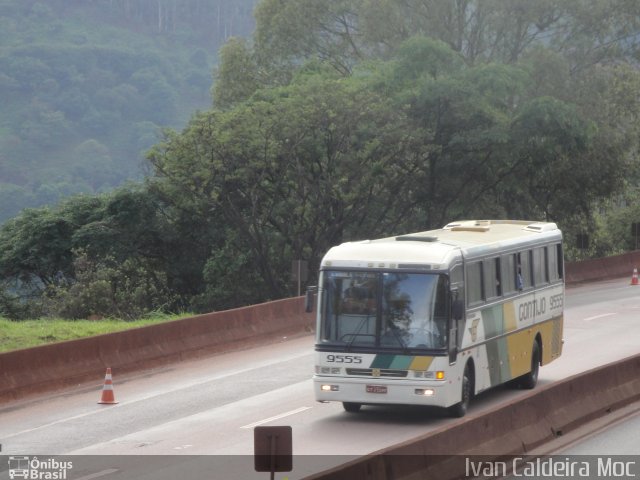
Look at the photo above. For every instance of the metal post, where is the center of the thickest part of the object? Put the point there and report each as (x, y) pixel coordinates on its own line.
(273, 439)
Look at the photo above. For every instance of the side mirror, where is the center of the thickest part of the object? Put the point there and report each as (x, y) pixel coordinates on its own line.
(308, 299)
(457, 309)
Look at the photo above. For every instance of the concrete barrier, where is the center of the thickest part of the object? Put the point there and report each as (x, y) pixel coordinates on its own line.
(515, 428)
(59, 365)
(618, 266)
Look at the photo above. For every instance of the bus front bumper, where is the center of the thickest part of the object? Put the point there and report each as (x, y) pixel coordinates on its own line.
(370, 391)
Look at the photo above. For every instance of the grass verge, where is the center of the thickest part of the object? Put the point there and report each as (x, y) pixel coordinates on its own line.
(30, 333)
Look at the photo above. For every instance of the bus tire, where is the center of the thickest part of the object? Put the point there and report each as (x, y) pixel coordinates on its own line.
(529, 380)
(459, 410)
(351, 407)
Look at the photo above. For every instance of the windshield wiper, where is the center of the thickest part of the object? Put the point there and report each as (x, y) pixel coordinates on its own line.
(356, 333)
(396, 333)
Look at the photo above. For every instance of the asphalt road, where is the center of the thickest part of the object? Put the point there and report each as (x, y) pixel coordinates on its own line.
(210, 407)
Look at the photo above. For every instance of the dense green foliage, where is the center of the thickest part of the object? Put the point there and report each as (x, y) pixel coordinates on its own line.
(87, 86)
(32, 333)
(354, 119)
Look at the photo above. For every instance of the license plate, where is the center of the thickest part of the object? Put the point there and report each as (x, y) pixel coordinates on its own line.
(376, 389)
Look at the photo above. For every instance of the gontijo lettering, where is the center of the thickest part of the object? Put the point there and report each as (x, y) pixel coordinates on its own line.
(532, 308)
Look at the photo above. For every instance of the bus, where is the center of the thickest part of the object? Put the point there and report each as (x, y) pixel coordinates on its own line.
(436, 317)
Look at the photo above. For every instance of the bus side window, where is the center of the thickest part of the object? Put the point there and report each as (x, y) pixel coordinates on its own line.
(555, 262)
(492, 284)
(474, 284)
(560, 261)
(524, 270)
(508, 277)
(540, 269)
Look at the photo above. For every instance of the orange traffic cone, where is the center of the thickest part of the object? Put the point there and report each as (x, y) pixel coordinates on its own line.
(634, 277)
(107, 390)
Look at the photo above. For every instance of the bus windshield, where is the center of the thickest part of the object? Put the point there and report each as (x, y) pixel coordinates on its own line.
(383, 310)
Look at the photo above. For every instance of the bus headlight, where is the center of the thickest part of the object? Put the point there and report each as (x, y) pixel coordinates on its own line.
(329, 388)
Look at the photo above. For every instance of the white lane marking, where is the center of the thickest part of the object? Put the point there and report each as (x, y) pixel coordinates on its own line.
(276, 417)
(599, 316)
(62, 420)
(183, 447)
(109, 471)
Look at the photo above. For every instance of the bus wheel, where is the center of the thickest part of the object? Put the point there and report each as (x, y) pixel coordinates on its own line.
(460, 409)
(530, 379)
(351, 407)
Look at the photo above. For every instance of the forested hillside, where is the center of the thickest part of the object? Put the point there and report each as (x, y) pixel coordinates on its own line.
(342, 120)
(86, 87)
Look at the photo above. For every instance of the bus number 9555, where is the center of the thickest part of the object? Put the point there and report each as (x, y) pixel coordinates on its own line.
(344, 359)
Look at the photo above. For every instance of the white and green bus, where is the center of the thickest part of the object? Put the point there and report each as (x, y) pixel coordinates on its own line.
(433, 318)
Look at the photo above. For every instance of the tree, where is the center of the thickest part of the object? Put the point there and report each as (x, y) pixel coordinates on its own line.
(460, 118)
(558, 175)
(106, 288)
(292, 171)
(123, 243)
(237, 75)
(36, 247)
(598, 105)
(345, 32)
(406, 144)
(495, 141)
(292, 31)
